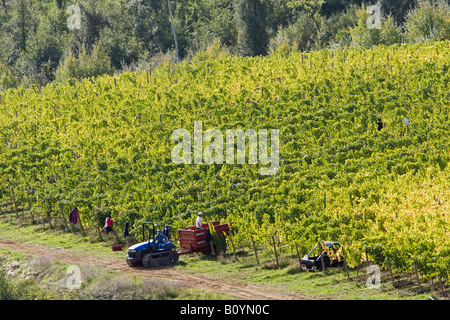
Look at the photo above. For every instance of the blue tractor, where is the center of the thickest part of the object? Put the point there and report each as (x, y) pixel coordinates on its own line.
(150, 253)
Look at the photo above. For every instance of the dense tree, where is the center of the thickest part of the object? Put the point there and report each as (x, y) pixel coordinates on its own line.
(251, 21)
(19, 23)
(398, 9)
(151, 24)
(36, 37)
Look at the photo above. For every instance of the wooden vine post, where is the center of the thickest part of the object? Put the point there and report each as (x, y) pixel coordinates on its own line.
(298, 256)
(275, 250)
(81, 225)
(232, 245)
(61, 207)
(30, 193)
(254, 249)
(390, 270)
(346, 267)
(417, 276)
(14, 202)
(96, 225)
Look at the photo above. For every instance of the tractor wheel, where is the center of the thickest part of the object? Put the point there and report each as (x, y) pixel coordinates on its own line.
(148, 261)
(173, 257)
(132, 264)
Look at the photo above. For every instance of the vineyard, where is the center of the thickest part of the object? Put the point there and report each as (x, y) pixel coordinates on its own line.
(104, 145)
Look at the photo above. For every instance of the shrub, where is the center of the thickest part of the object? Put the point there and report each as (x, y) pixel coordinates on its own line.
(125, 287)
(389, 32)
(85, 65)
(300, 35)
(214, 51)
(428, 22)
(7, 79)
(6, 288)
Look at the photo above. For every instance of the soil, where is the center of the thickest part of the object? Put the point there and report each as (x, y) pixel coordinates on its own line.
(235, 289)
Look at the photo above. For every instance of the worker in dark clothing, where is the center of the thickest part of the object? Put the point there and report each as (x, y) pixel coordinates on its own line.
(380, 124)
(126, 230)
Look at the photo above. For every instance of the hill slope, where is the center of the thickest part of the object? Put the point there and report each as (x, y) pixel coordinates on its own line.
(104, 145)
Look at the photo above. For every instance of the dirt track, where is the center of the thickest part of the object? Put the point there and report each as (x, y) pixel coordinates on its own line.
(227, 287)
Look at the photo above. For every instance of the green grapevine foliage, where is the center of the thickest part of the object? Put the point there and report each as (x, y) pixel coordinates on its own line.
(104, 145)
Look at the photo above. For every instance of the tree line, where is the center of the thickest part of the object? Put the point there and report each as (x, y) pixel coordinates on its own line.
(117, 35)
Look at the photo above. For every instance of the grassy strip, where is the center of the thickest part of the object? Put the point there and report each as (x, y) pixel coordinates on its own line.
(332, 284)
(57, 237)
(40, 278)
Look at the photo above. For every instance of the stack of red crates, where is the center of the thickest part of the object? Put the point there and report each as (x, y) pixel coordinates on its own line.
(194, 240)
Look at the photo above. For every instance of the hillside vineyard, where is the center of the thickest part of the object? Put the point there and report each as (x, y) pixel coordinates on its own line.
(105, 144)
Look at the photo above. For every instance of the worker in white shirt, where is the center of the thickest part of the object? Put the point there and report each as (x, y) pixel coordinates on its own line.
(406, 121)
(198, 223)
